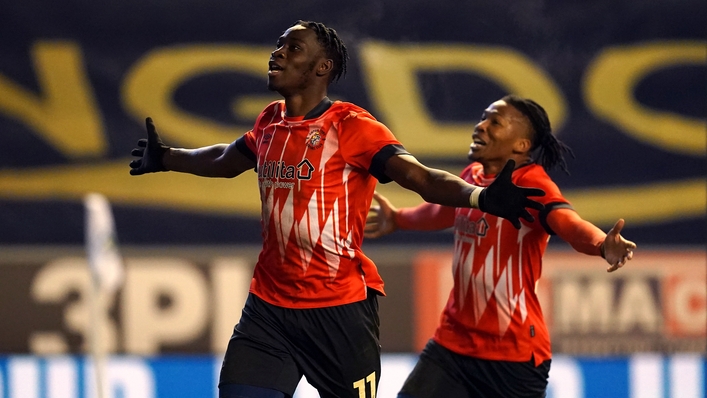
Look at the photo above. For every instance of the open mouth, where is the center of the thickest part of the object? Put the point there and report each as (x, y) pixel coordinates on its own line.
(476, 142)
(274, 69)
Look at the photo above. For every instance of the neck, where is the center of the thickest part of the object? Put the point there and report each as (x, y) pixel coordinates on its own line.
(300, 104)
(495, 167)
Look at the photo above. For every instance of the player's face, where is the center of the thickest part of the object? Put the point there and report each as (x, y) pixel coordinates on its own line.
(496, 136)
(292, 65)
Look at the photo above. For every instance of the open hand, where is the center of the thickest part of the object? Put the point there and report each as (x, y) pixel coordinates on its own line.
(381, 218)
(617, 250)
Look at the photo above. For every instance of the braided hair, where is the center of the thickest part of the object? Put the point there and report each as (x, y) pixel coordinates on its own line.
(334, 47)
(546, 150)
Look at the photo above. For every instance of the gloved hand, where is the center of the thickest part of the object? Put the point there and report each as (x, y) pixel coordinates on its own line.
(150, 151)
(505, 199)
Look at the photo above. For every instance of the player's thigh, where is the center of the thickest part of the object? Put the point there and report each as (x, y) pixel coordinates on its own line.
(433, 376)
(341, 355)
(522, 379)
(258, 354)
(443, 373)
(244, 391)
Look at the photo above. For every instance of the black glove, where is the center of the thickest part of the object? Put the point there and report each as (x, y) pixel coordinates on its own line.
(150, 151)
(505, 199)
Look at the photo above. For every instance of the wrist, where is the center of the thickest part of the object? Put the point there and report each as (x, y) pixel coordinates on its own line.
(399, 219)
(474, 197)
(164, 155)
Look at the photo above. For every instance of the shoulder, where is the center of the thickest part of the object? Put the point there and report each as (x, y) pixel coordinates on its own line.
(271, 113)
(348, 107)
(274, 109)
(347, 112)
(531, 172)
(350, 117)
(469, 171)
(534, 175)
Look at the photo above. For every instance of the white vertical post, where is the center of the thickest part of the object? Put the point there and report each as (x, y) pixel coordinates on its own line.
(646, 376)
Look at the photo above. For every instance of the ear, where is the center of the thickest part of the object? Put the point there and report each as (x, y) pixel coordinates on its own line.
(325, 67)
(522, 145)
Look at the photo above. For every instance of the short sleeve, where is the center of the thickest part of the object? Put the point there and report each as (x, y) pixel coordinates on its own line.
(553, 198)
(377, 168)
(246, 145)
(367, 144)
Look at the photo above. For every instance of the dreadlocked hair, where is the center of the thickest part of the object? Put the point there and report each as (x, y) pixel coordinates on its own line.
(547, 150)
(333, 46)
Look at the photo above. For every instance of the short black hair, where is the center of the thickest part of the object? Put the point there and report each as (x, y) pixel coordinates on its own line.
(334, 47)
(547, 150)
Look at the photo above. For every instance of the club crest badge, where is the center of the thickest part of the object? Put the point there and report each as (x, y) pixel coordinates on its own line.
(315, 139)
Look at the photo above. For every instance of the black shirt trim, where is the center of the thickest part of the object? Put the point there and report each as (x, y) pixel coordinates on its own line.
(243, 148)
(319, 110)
(548, 208)
(377, 168)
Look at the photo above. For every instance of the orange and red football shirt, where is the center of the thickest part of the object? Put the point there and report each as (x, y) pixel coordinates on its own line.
(316, 179)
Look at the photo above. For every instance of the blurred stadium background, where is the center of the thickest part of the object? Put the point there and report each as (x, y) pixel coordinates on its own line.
(625, 84)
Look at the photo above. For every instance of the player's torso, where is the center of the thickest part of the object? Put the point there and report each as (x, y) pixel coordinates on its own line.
(312, 205)
(299, 157)
(495, 268)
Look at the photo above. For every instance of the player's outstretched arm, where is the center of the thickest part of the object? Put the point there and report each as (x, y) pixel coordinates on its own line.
(502, 198)
(587, 238)
(384, 218)
(220, 160)
(616, 249)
